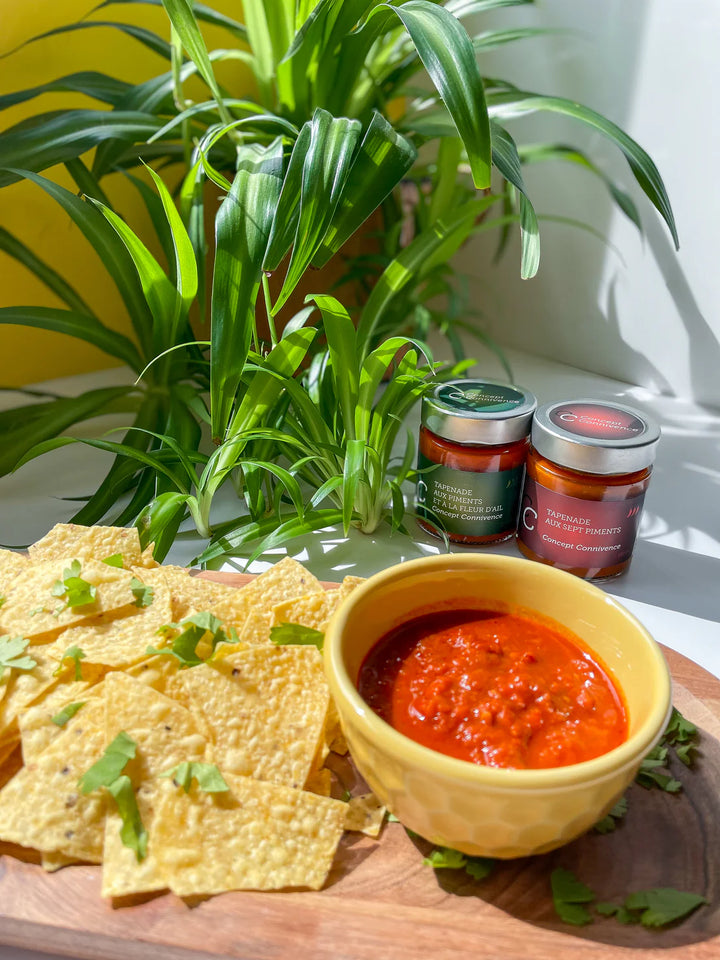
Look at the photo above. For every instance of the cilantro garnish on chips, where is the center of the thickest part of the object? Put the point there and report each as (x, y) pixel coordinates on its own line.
(207, 775)
(284, 634)
(192, 631)
(75, 591)
(144, 596)
(67, 713)
(11, 654)
(75, 654)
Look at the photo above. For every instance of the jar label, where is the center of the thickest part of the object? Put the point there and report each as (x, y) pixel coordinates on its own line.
(589, 534)
(477, 396)
(596, 421)
(468, 504)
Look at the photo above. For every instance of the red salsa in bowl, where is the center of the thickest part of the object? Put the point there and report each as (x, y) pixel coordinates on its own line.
(499, 688)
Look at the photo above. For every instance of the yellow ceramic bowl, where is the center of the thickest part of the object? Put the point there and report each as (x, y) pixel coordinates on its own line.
(489, 811)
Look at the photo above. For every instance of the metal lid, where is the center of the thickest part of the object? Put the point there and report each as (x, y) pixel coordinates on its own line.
(595, 436)
(478, 411)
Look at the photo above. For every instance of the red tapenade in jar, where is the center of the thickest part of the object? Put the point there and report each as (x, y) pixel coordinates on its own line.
(474, 440)
(587, 472)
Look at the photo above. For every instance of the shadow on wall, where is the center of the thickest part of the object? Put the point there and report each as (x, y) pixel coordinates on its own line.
(583, 309)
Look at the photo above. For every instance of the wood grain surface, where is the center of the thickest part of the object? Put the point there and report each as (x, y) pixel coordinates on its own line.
(381, 903)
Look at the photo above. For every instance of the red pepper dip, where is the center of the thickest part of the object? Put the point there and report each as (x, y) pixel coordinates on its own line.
(494, 688)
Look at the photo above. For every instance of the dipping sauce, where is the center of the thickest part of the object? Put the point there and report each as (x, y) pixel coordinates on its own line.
(495, 688)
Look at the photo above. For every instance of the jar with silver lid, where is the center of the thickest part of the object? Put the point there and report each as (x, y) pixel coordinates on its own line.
(588, 468)
(474, 440)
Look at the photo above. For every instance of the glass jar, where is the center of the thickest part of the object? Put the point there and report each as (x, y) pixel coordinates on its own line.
(587, 472)
(474, 440)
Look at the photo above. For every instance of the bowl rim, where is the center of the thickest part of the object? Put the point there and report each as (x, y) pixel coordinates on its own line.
(546, 779)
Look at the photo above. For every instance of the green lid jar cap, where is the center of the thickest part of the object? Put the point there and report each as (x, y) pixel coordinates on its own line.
(478, 412)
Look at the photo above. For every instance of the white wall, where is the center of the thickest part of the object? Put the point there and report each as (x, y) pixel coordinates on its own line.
(646, 315)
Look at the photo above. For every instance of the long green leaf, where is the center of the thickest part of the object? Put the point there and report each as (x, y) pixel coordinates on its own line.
(78, 325)
(90, 82)
(284, 226)
(382, 159)
(242, 228)
(325, 171)
(342, 346)
(146, 37)
(23, 427)
(51, 278)
(66, 136)
(201, 11)
(184, 22)
(466, 8)
(161, 296)
(515, 103)
(185, 266)
(507, 161)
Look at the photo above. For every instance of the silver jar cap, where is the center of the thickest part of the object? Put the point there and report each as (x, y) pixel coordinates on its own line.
(595, 436)
(478, 412)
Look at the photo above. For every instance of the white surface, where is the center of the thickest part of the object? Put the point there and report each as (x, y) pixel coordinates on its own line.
(649, 315)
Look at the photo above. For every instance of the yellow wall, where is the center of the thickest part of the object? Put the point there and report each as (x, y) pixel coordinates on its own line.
(29, 355)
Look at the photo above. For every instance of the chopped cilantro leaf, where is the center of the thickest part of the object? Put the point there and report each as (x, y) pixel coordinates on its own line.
(2, 600)
(111, 764)
(207, 775)
(76, 655)
(569, 896)
(391, 818)
(132, 832)
(445, 858)
(193, 630)
(609, 822)
(75, 591)
(67, 712)
(288, 633)
(11, 654)
(679, 730)
(607, 909)
(144, 596)
(663, 905)
(116, 560)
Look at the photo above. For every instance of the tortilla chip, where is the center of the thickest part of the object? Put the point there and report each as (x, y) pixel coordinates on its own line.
(155, 672)
(188, 594)
(11, 564)
(117, 641)
(365, 814)
(320, 782)
(88, 543)
(263, 710)
(42, 807)
(257, 836)
(123, 874)
(56, 861)
(165, 732)
(288, 578)
(37, 730)
(30, 609)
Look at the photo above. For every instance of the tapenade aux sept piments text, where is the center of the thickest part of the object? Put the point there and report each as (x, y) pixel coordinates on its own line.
(587, 472)
(499, 688)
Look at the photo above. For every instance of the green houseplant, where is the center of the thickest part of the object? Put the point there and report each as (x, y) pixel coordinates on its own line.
(335, 128)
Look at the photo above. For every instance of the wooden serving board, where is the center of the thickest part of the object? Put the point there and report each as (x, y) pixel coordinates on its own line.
(381, 903)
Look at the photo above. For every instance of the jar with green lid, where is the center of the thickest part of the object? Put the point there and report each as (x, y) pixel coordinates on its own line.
(474, 438)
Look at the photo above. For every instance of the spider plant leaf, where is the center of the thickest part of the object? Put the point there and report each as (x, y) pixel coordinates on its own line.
(491, 39)
(374, 368)
(100, 86)
(325, 490)
(269, 26)
(44, 272)
(353, 476)
(86, 182)
(83, 326)
(24, 427)
(539, 152)
(154, 207)
(382, 159)
(285, 222)
(466, 8)
(185, 24)
(185, 266)
(66, 135)
(201, 11)
(149, 39)
(342, 347)
(159, 521)
(507, 160)
(288, 481)
(515, 103)
(242, 229)
(192, 211)
(325, 170)
(160, 294)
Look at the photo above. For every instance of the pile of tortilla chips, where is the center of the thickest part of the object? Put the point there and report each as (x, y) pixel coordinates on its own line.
(79, 621)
